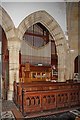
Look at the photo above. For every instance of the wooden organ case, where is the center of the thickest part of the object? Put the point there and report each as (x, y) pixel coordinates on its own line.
(30, 73)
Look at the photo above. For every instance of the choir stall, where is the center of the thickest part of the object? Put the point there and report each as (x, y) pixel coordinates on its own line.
(36, 94)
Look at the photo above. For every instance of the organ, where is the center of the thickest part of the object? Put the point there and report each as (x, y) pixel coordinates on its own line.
(30, 73)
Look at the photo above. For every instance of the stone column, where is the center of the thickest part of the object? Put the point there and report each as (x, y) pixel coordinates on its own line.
(72, 59)
(67, 63)
(61, 68)
(13, 66)
(61, 64)
(72, 69)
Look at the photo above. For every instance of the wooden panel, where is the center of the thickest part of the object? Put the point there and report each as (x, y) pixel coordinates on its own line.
(40, 96)
(29, 73)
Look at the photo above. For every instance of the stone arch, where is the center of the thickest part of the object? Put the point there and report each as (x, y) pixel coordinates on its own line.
(53, 27)
(73, 56)
(6, 23)
(55, 30)
(76, 64)
(13, 46)
(48, 21)
(6, 26)
(76, 59)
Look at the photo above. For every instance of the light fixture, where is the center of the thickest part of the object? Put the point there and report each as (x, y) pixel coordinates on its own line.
(72, 50)
(39, 64)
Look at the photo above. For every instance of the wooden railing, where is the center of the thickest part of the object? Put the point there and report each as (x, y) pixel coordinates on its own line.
(33, 97)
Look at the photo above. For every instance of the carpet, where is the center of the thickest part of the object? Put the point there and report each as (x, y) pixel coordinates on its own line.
(8, 115)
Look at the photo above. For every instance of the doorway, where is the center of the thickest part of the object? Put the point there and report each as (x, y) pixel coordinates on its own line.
(4, 63)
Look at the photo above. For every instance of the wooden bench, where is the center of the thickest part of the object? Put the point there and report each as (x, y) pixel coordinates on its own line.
(43, 96)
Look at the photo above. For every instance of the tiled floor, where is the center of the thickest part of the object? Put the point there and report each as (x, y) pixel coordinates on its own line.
(10, 106)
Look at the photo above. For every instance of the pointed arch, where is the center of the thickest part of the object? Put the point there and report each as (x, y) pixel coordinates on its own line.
(49, 22)
(76, 64)
(55, 30)
(6, 23)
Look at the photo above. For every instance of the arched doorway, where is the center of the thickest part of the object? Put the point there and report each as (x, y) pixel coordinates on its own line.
(7, 35)
(76, 64)
(4, 64)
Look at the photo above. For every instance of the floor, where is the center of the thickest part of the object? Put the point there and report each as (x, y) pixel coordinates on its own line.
(9, 105)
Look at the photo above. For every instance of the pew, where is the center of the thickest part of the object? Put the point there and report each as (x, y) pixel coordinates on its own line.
(44, 96)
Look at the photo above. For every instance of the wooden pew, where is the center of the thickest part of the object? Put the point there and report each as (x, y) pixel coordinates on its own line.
(42, 96)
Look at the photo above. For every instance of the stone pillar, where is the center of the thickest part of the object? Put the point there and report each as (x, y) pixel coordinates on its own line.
(61, 69)
(61, 64)
(13, 66)
(67, 63)
(71, 65)
(72, 68)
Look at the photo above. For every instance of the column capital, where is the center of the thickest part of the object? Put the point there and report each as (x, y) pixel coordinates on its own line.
(14, 44)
